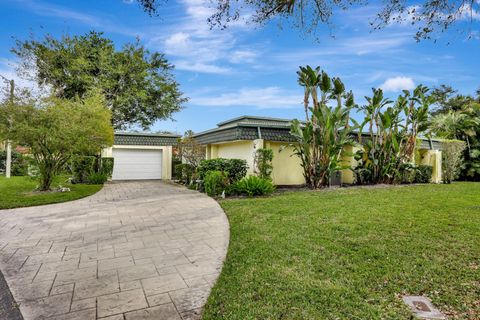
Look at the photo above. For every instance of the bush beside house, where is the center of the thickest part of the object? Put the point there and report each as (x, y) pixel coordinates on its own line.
(91, 169)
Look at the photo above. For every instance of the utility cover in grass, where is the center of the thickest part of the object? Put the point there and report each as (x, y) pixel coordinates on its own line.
(422, 307)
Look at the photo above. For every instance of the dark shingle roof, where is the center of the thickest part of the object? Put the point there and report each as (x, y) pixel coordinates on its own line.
(272, 129)
(145, 139)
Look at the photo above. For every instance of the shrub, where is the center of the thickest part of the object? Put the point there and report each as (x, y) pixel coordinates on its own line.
(184, 172)
(19, 165)
(452, 151)
(263, 163)
(406, 173)
(411, 173)
(82, 168)
(175, 162)
(106, 166)
(423, 174)
(234, 169)
(177, 171)
(362, 175)
(215, 182)
(97, 178)
(253, 186)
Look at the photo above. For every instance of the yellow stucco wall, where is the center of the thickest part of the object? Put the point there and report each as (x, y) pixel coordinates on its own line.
(234, 150)
(286, 166)
(348, 160)
(432, 158)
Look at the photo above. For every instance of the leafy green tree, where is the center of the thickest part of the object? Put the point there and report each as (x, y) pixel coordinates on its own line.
(321, 139)
(447, 99)
(55, 129)
(137, 84)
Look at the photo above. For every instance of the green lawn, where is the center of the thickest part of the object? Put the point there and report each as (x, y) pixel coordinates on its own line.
(19, 192)
(351, 254)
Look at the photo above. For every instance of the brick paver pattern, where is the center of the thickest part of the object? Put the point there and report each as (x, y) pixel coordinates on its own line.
(135, 250)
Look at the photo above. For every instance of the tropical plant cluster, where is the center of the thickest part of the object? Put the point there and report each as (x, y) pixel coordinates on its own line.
(390, 140)
(326, 131)
(387, 137)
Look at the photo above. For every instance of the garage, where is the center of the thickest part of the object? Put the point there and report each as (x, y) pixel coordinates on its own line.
(141, 155)
(137, 164)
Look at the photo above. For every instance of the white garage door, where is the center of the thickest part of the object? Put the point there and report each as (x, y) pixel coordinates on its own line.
(137, 164)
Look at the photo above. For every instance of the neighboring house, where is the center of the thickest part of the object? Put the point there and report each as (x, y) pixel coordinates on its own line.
(241, 137)
(140, 156)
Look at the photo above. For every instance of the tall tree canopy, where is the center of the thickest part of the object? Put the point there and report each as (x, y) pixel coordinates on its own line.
(138, 85)
(428, 15)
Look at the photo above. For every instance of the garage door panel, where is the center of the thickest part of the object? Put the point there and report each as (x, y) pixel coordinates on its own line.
(137, 164)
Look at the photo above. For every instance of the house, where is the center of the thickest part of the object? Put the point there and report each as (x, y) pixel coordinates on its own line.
(241, 137)
(139, 156)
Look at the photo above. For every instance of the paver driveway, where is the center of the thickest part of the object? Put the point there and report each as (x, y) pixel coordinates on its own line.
(135, 250)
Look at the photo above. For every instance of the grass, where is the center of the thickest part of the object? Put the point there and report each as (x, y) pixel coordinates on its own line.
(351, 254)
(19, 192)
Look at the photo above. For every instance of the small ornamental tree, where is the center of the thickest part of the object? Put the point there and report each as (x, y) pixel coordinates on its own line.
(189, 150)
(55, 129)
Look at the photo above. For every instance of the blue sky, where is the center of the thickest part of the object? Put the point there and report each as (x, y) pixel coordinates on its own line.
(248, 69)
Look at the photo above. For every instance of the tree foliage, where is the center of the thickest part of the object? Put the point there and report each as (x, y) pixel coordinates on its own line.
(428, 16)
(137, 84)
(458, 117)
(55, 129)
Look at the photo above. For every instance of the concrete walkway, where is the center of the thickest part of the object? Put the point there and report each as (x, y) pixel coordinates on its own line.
(135, 250)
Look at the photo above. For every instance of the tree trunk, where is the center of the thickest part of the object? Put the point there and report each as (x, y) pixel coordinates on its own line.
(46, 181)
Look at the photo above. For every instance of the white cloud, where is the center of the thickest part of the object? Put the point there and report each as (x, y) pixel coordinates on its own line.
(179, 39)
(396, 84)
(243, 56)
(262, 98)
(191, 39)
(199, 67)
